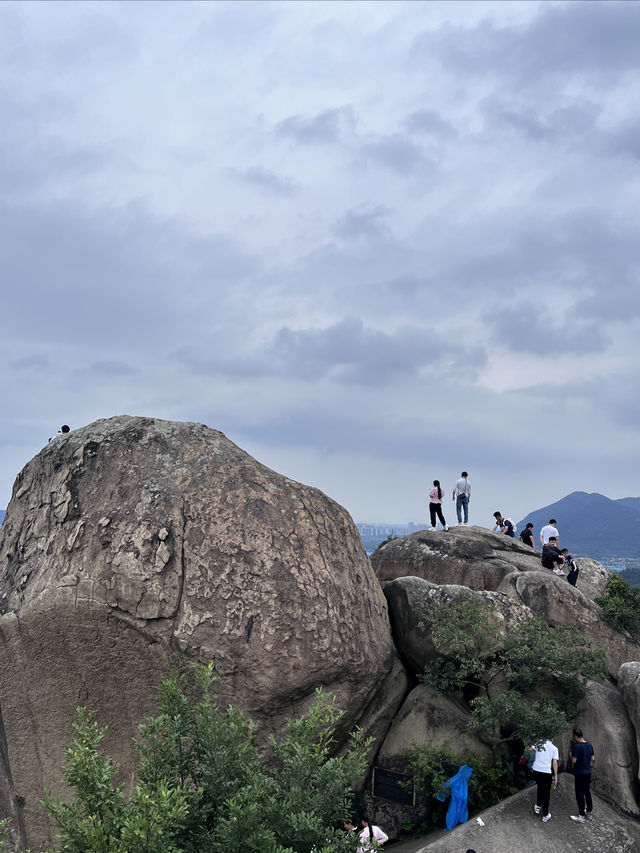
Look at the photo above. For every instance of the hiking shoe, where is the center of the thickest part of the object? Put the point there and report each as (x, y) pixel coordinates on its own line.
(578, 818)
(537, 809)
(432, 528)
(546, 818)
(589, 816)
(446, 528)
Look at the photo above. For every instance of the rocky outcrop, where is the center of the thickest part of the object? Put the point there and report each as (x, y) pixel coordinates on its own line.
(469, 556)
(605, 723)
(410, 599)
(8, 801)
(133, 542)
(629, 684)
(552, 598)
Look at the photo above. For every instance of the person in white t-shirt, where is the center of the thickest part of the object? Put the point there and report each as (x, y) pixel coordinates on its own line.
(548, 531)
(545, 772)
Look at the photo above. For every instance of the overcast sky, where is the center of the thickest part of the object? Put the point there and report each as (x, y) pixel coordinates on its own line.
(372, 242)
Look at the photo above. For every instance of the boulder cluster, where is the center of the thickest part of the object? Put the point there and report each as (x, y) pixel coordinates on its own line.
(134, 543)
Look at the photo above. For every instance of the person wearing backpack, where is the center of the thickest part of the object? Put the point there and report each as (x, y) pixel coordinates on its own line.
(504, 525)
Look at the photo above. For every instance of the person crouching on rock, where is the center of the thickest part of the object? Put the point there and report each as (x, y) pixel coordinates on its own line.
(370, 835)
(504, 525)
(552, 557)
(435, 505)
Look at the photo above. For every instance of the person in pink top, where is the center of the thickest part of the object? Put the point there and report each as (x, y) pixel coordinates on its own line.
(371, 836)
(435, 505)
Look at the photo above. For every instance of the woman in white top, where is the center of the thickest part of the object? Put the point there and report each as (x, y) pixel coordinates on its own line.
(370, 835)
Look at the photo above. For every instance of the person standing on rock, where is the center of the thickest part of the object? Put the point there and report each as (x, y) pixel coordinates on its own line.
(582, 758)
(370, 836)
(526, 537)
(545, 771)
(548, 531)
(435, 505)
(462, 496)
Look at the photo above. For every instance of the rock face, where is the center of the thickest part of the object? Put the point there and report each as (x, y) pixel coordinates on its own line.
(133, 542)
(472, 557)
(606, 725)
(410, 598)
(629, 684)
(562, 605)
(8, 802)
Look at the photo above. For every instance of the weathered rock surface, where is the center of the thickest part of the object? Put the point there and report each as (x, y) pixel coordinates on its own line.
(410, 598)
(606, 724)
(512, 827)
(134, 541)
(472, 557)
(629, 685)
(8, 803)
(552, 598)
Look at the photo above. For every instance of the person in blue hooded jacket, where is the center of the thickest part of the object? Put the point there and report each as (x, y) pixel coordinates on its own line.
(459, 784)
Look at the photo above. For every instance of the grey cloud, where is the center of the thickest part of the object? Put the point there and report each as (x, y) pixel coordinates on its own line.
(529, 328)
(364, 221)
(267, 180)
(36, 362)
(429, 121)
(395, 152)
(562, 39)
(567, 123)
(327, 126)
(113, 368)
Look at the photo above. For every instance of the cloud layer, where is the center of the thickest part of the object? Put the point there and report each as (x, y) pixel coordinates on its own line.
(375, 243)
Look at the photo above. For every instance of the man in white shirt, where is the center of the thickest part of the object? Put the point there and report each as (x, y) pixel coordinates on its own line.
(545, 772)
(548, 531)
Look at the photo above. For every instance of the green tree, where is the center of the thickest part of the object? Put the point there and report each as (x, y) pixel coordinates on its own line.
(535, 677)
(621, 607)
(202, 786)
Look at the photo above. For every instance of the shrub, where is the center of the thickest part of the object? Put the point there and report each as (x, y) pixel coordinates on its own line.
(621, 606)
(202, 787)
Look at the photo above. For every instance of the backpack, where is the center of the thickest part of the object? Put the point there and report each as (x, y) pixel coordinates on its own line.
(513, 524)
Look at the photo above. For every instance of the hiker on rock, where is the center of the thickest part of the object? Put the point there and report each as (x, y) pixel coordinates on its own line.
(462, 496)
(526, 537)
(552, 556)
(504, 525)
(545, 772)
(435, 505)
(570, 563)
(548, 531)
(582, 758)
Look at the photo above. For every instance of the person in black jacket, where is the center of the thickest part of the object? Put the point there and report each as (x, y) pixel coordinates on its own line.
(552, 557)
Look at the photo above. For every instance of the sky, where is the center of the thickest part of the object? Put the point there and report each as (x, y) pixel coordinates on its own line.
(374, 243)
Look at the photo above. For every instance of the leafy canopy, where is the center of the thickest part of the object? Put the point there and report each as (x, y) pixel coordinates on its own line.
(203, 787)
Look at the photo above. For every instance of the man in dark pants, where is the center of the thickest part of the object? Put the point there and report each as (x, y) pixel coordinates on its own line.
(582, 758)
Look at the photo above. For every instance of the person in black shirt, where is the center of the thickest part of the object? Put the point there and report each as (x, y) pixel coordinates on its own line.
(552, 557)
(505, 525)
(527, 536)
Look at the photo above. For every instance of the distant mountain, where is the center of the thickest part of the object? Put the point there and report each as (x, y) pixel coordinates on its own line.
(2, 515)
(592, 524)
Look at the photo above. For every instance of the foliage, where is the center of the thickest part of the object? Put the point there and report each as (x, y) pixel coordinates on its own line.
(535, 677)
(621, 606)
(384, 542)
(4, 834)
(202, 787)
(431, 768)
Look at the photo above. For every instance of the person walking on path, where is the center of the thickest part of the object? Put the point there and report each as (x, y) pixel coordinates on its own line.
(504, 525)
(370, 835)
(582, 757)
(545, 771)
(526, 537)
(462, 496)
(435, 505)
(548, 531)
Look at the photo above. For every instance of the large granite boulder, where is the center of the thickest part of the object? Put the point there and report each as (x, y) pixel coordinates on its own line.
(411, 598)
(629, 685)
(134, 542)
(9, 807)
(606, 724)
(550, 597)
(470, 556)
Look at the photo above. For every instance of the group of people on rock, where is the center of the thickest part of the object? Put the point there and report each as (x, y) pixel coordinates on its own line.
(545, 774)
(552, 557)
